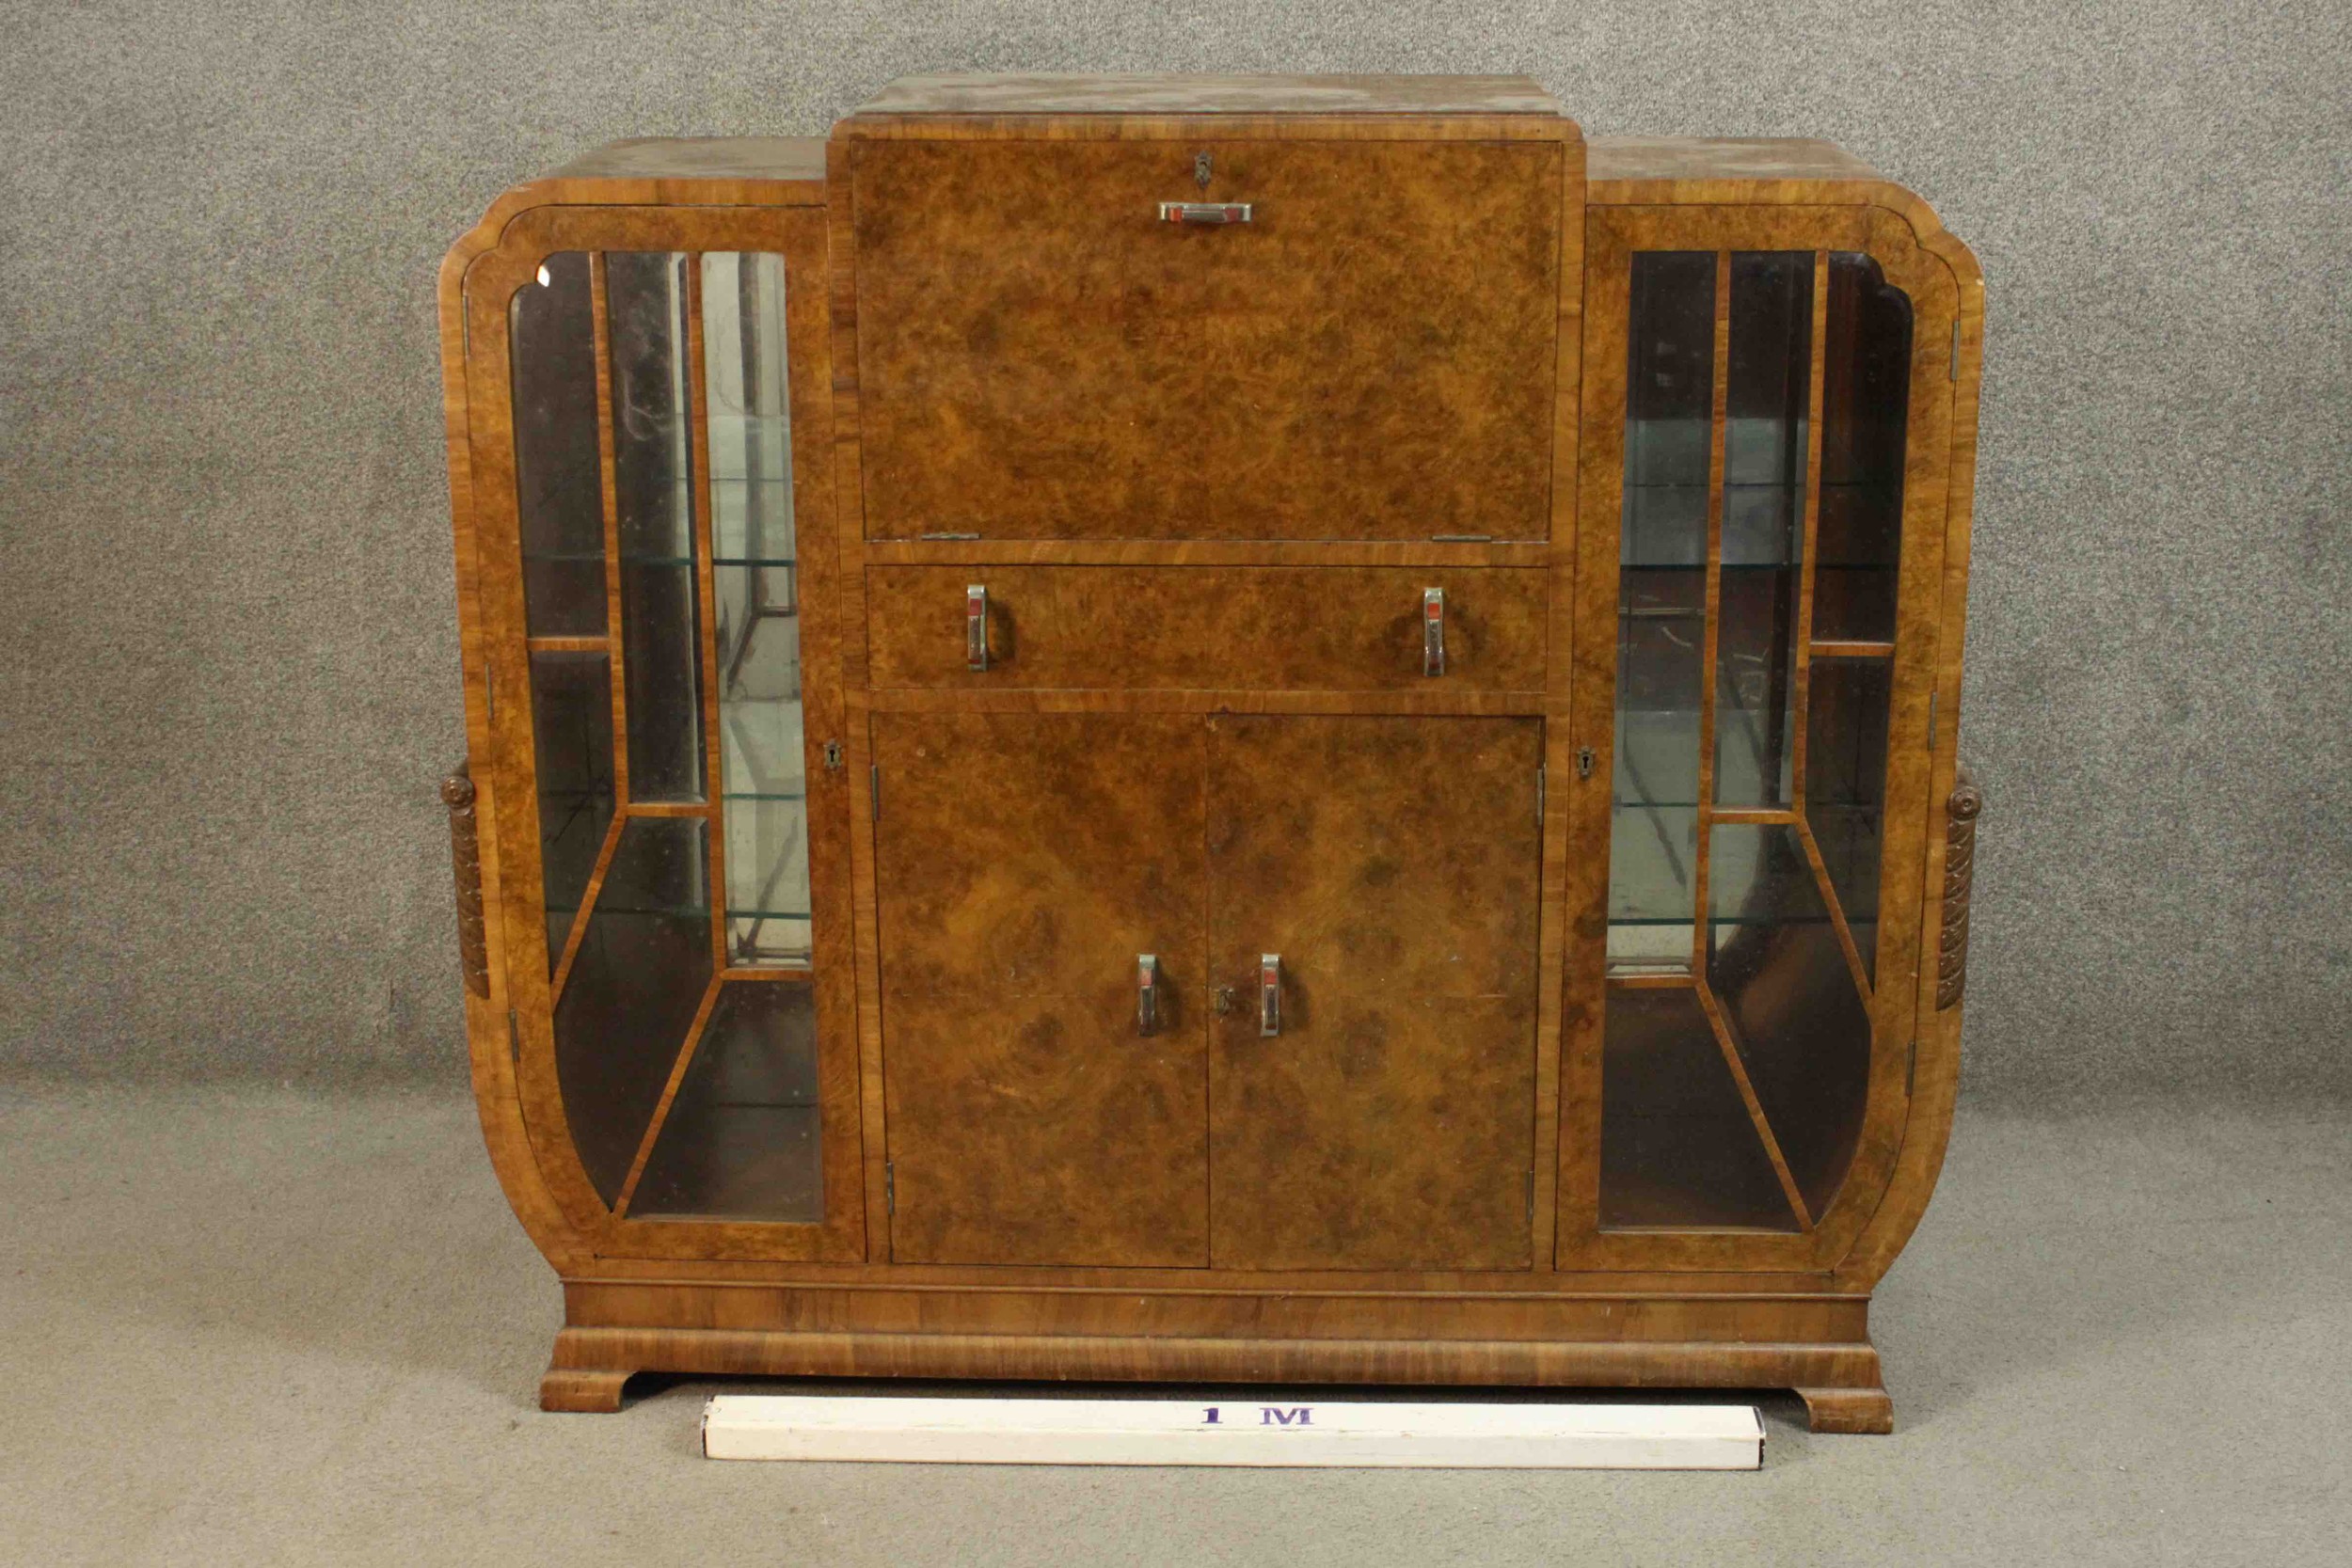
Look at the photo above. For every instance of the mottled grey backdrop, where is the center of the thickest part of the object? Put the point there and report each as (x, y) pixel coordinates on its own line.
(231, 673)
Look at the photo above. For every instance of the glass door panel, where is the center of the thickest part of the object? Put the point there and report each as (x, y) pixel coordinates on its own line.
(741, 1139)
(653, 465)
(1662, 608)
(628, 990)
(1866, 373)
(1678, 1149)
(571, 722)
(763, 744)
(1760, 552)
(1762, 549)
(559, 488)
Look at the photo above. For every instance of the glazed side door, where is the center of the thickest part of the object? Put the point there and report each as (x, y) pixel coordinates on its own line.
(1768, 396)
(649, 425)
(1040, 892)
(1374, 900)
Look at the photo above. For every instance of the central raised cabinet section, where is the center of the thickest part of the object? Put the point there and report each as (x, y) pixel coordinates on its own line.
(1207, 470)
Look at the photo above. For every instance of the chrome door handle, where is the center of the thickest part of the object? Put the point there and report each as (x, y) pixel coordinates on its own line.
(976, 627)
(1433, 631)
(1147, 993)
(1269, 996)
(1205, 212)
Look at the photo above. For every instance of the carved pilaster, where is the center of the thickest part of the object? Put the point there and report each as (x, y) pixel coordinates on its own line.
(465, 853)
(1961, 812)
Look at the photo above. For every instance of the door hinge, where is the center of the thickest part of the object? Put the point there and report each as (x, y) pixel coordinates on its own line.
(1910, 1068)
(490, 693)
(1931, 699)
(890, 1187)
(514, 1039)
(1955, 374)
(873, 789)
(1530, 1195)
(833, 757)
(1539, 797)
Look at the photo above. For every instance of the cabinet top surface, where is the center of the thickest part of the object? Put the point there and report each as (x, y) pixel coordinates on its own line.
(977, 93)
(1650, 158)
(700, 158)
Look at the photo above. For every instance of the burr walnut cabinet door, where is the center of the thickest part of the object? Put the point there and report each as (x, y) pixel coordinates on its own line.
(1026, 863)
(1380, 876)
(1369, 355)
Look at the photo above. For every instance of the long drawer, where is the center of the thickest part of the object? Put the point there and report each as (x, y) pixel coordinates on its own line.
(1336, 629)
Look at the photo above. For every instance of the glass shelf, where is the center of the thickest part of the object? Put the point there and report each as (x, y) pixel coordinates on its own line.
(1817, 803)
(1644, 920)
(1733, 568)
(628, 560)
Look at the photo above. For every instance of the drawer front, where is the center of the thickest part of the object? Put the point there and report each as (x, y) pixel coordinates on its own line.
(1331, 628)
(1370, 355)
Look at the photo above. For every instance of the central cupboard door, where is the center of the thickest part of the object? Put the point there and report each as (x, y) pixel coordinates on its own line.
(1024, 863)
(1382, 874)
(1374, 1109)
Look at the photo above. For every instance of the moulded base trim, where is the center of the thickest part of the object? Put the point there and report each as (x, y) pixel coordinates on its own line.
(1839, 1381)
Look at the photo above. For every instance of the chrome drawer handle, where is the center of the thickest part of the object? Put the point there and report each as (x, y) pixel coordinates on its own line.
(1205, 212)
(976, 627)
(1147, 993)
(1270, 995)
(1433, 631)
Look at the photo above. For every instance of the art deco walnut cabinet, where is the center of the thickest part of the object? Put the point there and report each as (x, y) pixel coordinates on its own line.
(1215, 729)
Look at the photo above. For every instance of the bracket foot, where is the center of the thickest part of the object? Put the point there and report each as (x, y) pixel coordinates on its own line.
(1848, 1410)
(575, 1388)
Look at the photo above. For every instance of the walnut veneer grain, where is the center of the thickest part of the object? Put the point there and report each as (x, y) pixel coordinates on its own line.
(1040, 357)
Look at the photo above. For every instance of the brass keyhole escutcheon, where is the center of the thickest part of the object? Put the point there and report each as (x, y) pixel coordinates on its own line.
(1201, 170)
(1221, 1000)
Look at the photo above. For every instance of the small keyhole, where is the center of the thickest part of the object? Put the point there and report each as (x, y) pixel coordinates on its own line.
(1583, 762)
(1201, 170)
(1221, 1000)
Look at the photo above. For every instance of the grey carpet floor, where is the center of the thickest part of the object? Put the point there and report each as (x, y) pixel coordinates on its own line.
(258, 1328)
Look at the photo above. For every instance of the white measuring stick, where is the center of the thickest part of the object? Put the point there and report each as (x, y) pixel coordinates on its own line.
(1336, 1432)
